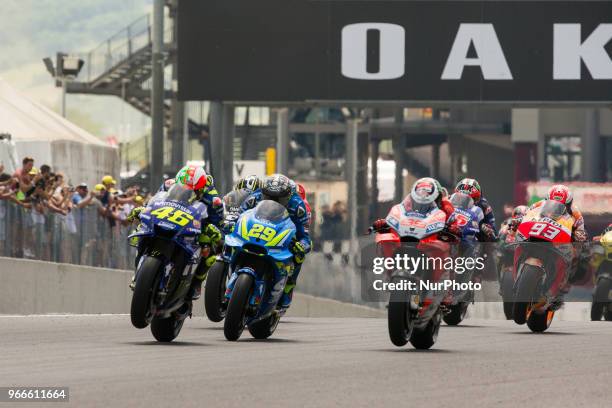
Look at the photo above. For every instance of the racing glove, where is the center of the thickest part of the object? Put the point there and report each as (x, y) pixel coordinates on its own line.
(134, 214)
(298, 250)
(380, 225)
(487, 231)
(210, 235)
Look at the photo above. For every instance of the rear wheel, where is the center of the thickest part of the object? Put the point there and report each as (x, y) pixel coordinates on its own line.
(399, 318)
(425, 338)
(539, 322)
(525, 292)
(264, 328)
(147, 278)
(235, 318)
(168, 328)
(214, 292)
(457, 314)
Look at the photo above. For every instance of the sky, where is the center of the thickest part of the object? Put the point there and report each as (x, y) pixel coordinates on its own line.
(33, 29)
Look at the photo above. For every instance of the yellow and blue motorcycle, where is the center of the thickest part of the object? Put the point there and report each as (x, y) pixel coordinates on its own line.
(260, 264)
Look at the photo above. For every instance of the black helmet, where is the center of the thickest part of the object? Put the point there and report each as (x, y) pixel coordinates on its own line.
(250, 183)
(277, 188)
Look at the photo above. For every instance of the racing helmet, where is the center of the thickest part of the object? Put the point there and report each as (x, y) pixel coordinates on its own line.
(470, 187)
(560, 193)
(277, 187)
(193, 177)
(250, 183)
(519, 211)
(423, 194)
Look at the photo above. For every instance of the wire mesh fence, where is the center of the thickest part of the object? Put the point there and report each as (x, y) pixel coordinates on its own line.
(82, 237)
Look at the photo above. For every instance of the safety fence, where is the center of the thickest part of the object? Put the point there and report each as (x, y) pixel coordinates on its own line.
(81, 237)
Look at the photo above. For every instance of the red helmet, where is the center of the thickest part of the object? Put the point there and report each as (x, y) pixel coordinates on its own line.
(192, 177)
(560, 193)
(301, 190)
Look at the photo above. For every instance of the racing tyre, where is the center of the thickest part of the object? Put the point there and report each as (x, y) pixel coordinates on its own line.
(597, 309)
(539, 322)
(506, 290)
(526, 290)
(166, 329)
(147, 277)
(265, 327)
(457, 314)
(236, 316)
(600, 306)
(399, 318)
(425, 338)
(214, 292)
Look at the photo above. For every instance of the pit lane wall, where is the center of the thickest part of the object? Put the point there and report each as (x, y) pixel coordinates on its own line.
(37, 287)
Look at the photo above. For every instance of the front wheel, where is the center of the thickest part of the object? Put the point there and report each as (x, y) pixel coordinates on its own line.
(147, 278)
(236, 316)
(214, 292)
(600, 306)
(399, 318)
(457, 314)
(425, 338)
(525, 293)
(506, 292)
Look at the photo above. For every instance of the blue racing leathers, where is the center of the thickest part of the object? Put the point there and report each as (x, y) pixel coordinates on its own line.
(489, 219)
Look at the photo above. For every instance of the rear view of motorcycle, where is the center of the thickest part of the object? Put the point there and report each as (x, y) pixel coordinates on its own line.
(169, 253)
(602, 292)
(543, 261)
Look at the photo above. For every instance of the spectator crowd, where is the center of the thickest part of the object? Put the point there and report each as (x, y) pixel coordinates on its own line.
(32, 196)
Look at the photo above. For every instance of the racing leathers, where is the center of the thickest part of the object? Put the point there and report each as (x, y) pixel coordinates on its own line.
(300, 247)
(487, 225)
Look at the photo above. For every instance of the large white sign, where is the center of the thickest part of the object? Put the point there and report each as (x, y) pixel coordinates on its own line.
(243, 168)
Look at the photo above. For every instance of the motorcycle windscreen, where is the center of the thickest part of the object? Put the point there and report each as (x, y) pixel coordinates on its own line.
(461, 200)
(235, 198)
(552, 209)
(180, 194)
(271, 211)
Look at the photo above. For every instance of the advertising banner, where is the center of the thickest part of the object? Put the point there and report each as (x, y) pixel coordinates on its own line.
(472, 51)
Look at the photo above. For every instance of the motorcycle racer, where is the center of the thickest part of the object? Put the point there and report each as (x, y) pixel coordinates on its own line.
(278, 187)
(427, 189)
(472, 188)
(195, 178)
(250, 183)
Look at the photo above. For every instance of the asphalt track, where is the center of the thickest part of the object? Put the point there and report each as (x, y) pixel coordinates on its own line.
(308, 362)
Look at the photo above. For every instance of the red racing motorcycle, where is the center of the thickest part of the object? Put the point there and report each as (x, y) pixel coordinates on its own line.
(415, 305)
(543, 258)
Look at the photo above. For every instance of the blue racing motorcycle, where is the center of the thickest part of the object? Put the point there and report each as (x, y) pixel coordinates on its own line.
(168, 255)
(467, 216)
(260, 263)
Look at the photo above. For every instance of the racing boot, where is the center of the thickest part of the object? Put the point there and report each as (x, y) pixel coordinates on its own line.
(195, 291)
(287, 296)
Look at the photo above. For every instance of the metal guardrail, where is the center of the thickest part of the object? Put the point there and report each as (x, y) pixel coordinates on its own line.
(82, 237)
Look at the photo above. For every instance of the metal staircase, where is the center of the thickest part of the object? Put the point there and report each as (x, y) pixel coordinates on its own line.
(121, 66)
